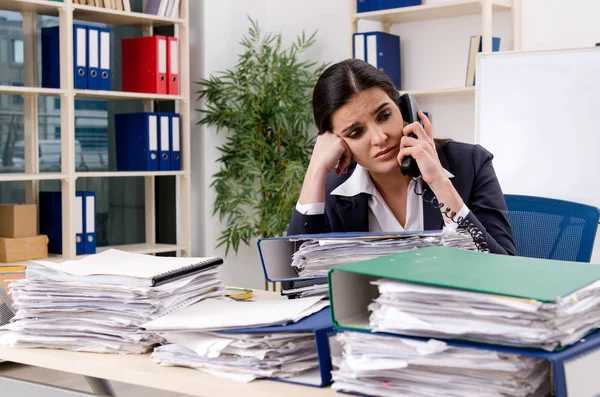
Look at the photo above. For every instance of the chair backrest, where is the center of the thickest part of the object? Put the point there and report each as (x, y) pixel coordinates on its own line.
(552, 229)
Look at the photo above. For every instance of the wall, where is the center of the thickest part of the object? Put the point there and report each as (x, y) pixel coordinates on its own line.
(215, 41)
(434, 56)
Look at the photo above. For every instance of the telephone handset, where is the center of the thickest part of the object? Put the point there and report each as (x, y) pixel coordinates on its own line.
(409, 108)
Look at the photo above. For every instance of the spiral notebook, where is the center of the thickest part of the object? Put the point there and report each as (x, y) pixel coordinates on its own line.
(125, 268)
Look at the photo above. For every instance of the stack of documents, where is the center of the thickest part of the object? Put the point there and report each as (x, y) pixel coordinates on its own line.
(248, 350)
(391, 366)
(422, 310)
(314, 258)
(97, 304)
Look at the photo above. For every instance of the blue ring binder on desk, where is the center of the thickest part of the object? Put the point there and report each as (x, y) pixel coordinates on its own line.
(587, 348)
(320, 324)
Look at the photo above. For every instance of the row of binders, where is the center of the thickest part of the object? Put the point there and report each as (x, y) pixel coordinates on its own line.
(380, 49)
(148, 141)
(84, 215)
(149, 64)
(91, 57)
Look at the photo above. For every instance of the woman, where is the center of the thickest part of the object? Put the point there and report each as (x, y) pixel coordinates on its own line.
(363, 136)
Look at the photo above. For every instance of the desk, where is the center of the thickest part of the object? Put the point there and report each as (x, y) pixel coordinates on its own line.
(140, 370)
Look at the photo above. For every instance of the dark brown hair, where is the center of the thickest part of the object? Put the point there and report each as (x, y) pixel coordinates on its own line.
(340, 82)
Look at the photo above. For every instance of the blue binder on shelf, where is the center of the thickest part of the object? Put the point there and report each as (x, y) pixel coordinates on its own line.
(380, 49)
(98, 56)
(51, 57)
(174, 140)
(89, 221)
(50, 208)
(136, 137)
(320, 324)
(164, 142)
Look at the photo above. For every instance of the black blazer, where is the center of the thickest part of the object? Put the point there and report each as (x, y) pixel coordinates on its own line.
(474, 179)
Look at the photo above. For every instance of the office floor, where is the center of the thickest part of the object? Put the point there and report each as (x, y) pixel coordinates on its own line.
(70, 381)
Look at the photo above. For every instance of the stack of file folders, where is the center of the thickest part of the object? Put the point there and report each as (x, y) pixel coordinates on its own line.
(513, 316)
(97, 304)
(277, 339)
(301, 262)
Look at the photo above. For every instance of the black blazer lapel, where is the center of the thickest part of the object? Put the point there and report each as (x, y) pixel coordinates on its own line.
(353, 213)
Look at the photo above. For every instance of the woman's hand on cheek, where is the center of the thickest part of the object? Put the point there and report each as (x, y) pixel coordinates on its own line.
(422, 149)
(329, 151)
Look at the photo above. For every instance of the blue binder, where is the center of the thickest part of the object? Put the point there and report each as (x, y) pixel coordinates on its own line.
(98, 55)
(89, 221)
(50, 207)
(136, 136)
(105, 69)
(276, 252)
(174, 140)
(381, 50)
(320, 324)
(164, 142)
(51, 57)
(564, 375)
(363, 5)
(377, 5)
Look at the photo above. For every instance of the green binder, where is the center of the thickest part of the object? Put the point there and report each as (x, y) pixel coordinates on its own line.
(520, 277)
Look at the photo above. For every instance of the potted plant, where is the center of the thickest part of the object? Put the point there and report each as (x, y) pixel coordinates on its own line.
(264, 104)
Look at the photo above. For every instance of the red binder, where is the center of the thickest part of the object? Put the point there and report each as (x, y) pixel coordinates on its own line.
(173, 66)
(144, 64)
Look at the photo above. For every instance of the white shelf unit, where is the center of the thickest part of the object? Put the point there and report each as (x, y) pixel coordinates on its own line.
(447, 9)
(67, 12)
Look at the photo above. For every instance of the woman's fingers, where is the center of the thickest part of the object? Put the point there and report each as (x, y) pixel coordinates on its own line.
(426, 124)
(344, 161)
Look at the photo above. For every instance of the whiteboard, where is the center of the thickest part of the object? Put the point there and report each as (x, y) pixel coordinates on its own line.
(538, 113)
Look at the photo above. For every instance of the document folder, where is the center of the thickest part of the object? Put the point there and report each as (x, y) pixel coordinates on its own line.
(276, 252)
(137, 141)
(320, 324)
(573, 369)
(381, 50)
(105, 48)
(89, 222)
(164, 162)
(51, 57)
(78, 219)
(50, 207)
(175, 136)
(351, 291)
(173, 66)
(145, 64)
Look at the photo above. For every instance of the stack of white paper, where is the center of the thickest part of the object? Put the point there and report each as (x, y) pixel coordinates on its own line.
(242, 357)
(239, 356)
(97, 303)
(421, 310)
(224, 314)
(392, 366)
(314, 258)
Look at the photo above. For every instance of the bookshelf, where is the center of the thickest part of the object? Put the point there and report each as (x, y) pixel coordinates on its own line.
(67, 12)
(446, 9)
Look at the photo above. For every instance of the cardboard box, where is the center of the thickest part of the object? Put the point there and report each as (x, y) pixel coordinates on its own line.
(18, 220)
(23, 249)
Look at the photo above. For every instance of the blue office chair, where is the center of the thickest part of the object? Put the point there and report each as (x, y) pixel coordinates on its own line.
(552, 229)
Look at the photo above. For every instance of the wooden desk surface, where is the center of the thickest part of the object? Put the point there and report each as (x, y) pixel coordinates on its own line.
(141, 371)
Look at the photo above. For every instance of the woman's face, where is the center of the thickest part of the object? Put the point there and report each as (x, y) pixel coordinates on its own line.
(371, 125)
